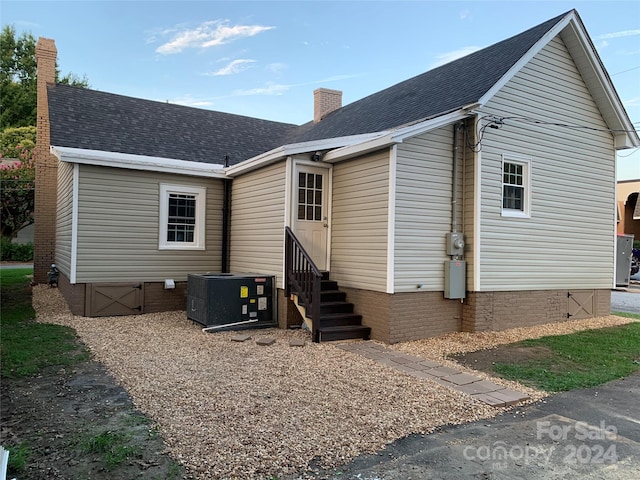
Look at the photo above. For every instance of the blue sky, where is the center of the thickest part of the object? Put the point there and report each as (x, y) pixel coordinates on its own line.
(265, 58)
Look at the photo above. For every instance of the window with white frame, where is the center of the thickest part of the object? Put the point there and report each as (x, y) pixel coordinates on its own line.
(182, 217)
(516, 186)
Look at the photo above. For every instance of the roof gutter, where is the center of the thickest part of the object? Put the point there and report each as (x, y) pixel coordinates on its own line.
(137, 162)
(280, 153)
(385, 139)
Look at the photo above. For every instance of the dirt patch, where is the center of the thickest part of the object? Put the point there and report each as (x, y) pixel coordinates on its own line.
(58, 414)
(484, 360)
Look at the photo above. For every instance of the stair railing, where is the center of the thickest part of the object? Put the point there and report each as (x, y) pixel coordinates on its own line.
(303, 278)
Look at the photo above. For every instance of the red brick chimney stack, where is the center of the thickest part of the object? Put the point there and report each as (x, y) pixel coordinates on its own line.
(46, 166)
(325, 101)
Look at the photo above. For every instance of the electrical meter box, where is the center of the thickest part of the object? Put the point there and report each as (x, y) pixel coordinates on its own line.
(232, 301)
(455, 272)
(455, 243)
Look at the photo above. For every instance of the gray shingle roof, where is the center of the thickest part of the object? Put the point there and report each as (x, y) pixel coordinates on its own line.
(436, 92)
(83, 118)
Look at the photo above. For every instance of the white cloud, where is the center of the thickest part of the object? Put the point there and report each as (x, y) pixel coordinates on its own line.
(464, 14)
(189, 101)
(447, 57)
(269, 89)
(623, 33)
(280, 89)
(236, 66)
(207, 34)
(277, 67)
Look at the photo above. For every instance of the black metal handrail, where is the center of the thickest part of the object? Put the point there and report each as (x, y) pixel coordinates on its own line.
(303, 278)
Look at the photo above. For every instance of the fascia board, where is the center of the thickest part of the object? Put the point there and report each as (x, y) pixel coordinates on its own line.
(137, 162)
(579, 44)
(385, 139)
(613, 103)
(281, 153)
(533, 51)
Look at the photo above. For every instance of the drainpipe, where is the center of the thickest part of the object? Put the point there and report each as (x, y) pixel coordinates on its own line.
(226, 217)
(455, 268)
(456, 175)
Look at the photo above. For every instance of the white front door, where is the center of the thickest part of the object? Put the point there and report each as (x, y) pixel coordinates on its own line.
(310, 211)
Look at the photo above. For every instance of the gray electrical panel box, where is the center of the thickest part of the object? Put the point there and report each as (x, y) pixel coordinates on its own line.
(455, 279)
(455, 243)
(220, 300)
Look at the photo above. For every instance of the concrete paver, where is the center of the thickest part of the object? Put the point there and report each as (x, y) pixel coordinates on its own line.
(483, 390)
(240, 338)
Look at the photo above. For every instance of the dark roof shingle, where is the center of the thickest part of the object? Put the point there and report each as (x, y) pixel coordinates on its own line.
(83, 118)
(436, 92)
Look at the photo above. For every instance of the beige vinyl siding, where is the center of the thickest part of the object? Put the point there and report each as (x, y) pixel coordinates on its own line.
(423, 210)
(568, 241)
(359, 220)
(257, 222)
(64, 218)
(118, 222)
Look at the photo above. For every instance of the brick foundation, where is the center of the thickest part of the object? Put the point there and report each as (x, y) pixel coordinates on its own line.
(375, 308)
(404, 317)
(486, 311)
(156, 298)
(423, 314)
(73, 294)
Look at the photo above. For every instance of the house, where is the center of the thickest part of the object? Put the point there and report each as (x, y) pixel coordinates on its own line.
(629, 207)
(478, 195)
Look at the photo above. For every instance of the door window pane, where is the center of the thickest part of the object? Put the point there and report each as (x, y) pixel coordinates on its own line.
(310, 197)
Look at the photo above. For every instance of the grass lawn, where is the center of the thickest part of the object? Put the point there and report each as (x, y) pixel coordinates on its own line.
(578, 360)
(27, 346)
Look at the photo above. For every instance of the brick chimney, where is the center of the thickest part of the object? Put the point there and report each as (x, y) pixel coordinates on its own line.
(46, 166)
(325, 101)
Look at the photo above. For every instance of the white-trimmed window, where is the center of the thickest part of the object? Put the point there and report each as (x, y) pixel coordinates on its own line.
(182, 217)
(516, 186)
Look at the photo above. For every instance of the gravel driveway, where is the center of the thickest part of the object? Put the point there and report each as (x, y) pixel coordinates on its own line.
(239, 410)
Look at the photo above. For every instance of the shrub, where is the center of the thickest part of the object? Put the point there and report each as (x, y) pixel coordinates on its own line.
(15, 252)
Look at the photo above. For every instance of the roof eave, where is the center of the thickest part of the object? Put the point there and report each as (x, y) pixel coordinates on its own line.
(281, 153)
(388, 138)
(574, 34)
(137, 162)
(599, 83)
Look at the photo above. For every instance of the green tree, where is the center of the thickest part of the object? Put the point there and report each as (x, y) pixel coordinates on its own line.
(14, 141)
(18, 104)
(17, 193)
(18, 87)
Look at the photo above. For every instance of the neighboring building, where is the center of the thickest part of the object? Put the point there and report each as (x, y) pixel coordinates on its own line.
(379, 192)
(629, 208)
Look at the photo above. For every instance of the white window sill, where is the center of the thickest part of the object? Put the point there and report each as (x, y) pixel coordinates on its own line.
(515, 214)
(180, 247)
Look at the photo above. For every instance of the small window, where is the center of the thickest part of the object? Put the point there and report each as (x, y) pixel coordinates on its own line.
(309, 196)
(182, 218)
(516, 188)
